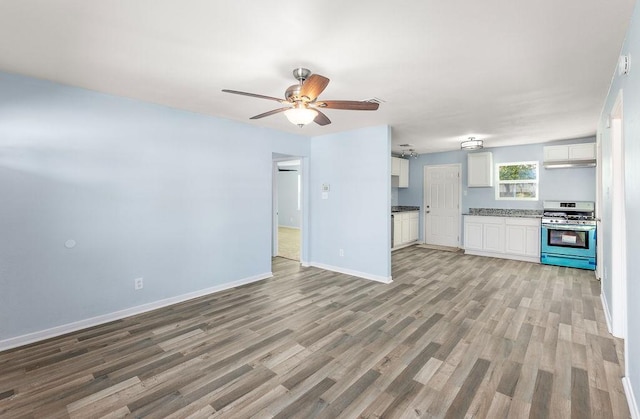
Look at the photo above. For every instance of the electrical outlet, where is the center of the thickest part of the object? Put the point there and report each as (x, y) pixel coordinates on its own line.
(138, 284)
(341, 252)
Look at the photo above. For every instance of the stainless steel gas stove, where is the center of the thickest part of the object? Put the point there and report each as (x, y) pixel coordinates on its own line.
(568, 234)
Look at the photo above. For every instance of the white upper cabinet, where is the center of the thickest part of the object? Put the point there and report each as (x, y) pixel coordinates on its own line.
(399, 172)
(556, 152)
(403, 179)
(582, 151)
(480, 170)
(570, 155)
(396, 162)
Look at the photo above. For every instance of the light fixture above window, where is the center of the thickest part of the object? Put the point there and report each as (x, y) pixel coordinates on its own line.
(471, 144)
(301, 115)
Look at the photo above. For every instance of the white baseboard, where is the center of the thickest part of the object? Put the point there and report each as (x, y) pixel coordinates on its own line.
(402, 246)
(607, 313)
(502, 256)
(377, 278)
(631, 399)
(117, 315)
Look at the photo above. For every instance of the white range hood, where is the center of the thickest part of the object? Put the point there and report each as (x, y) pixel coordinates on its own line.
(562, 164)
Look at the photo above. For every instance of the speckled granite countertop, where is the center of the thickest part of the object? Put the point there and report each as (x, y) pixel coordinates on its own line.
(502, 212)
(404, 208)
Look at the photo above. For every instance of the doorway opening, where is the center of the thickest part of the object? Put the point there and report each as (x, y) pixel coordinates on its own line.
(442, 205)
(287, 219)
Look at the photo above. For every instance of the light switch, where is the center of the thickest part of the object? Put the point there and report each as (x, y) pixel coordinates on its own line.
(325, 195)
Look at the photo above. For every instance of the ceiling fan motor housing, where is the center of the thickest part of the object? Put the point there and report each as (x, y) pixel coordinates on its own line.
(292, 93)
(301, 74)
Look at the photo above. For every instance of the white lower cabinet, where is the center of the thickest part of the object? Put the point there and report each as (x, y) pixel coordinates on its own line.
(405, 227)
(493, 235)
(522, 237)
(414, 221)
(503, 237)
(397, 230)
(473, 234)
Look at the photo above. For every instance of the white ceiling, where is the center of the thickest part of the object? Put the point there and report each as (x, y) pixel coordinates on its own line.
(506, 71)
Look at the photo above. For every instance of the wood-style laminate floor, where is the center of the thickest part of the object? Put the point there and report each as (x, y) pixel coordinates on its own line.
(454, 336)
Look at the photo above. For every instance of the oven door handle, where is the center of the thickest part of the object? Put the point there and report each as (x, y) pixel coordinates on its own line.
(568, 227)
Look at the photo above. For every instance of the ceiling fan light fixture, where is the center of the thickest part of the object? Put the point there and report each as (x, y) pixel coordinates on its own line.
(300, 105)
(301, 116)
(471, 144)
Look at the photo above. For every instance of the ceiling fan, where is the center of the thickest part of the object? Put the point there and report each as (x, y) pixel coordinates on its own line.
(301, 100)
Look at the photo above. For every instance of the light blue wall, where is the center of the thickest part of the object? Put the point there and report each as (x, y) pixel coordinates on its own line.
(144, 190)
(356, 216)
(630, 86)
(554, 184)
(288, 213)
(154, 192)
(394, 196)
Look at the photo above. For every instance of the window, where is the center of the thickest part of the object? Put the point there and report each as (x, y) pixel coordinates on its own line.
(517, 181)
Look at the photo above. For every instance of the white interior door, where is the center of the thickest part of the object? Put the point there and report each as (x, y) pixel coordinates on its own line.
(442, 205)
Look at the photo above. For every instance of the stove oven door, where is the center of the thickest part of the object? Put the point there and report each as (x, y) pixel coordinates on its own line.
(575, 242)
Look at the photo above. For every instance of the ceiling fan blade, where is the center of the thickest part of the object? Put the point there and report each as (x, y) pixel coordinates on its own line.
(351, 105)
(313, 86)
(236, 92)
(321, 119)
(273, 112)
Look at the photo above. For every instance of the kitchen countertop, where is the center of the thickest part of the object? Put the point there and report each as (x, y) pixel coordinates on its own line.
(404, 208)
(504, 212)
